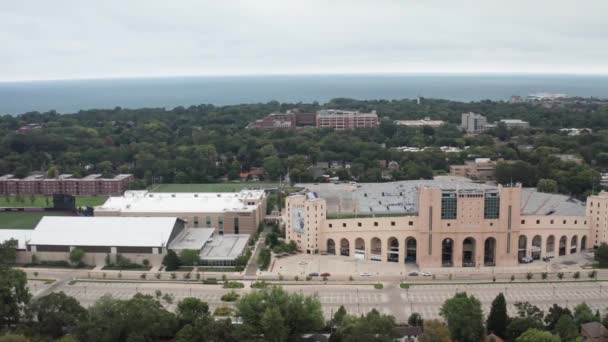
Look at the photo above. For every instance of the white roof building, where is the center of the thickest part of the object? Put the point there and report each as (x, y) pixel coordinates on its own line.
(21, 235)
(183, 202)
(104, 231)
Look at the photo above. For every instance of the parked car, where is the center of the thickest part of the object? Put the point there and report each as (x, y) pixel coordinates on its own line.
(413, 274)
(313, 274)
(526, 260)
(365, 274)
(425, 274)
(325, 274)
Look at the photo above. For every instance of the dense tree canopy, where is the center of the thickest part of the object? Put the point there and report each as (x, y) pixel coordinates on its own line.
(207, 143)
(464, 316)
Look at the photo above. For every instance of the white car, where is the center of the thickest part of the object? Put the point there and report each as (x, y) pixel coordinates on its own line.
(425, 274)
(303, 263)
(365, 274)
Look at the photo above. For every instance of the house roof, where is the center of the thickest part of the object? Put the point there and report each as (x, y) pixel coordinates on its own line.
(103, 231)
(594, 329)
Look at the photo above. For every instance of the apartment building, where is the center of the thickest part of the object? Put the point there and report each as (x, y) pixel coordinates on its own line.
(346, 120)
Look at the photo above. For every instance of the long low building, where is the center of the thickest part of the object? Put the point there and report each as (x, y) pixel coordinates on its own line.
(134, 238)
(230, 212)
(441, 223)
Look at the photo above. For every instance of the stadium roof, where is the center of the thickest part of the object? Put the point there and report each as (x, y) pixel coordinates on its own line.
(21, 235)
(540, 203)
(103, 231)
(182, 202)
(402, 197)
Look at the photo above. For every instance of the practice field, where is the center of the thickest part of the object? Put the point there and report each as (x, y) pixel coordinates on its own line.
(25, 220)
(212, 187)
(47, 201)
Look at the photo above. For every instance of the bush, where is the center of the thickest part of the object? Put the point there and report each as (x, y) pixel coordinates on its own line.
(264, 259)
(171, 261)
(296, 278)
(76, 256)
(350, 278)
(230, 297)
(223, 311)
(259, 284)
(512, 277)
(576, 275)
(378, 286)
(529, 276)
(308, 278)
(233, 285)
(544, 275)
(145, 262)
(173, 276)
(560, 275)
(210, 281)
(592, 274)
(404, 286)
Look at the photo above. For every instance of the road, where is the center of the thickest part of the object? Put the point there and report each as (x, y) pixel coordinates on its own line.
(359, 299)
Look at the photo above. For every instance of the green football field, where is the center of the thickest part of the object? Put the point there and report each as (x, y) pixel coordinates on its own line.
(24, 220)
(212, 187)
(47, 201)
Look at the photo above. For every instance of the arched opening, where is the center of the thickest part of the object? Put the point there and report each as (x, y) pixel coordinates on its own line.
(393, 250)
(489, 252)
(344, 247)
(331, 247)
(376, 252)
(360, 248)
(447, 253)
(563, 241)
(536, 247)
(583, 243)
(573, 244)
(410, 254)
(468, 252)
(550, 249)
(522, 247)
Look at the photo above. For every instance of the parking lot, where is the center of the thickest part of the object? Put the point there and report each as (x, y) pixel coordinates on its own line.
(361, 298)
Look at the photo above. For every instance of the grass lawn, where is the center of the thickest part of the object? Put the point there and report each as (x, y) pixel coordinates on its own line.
(212, 187)
(47, 201)
(23, 220)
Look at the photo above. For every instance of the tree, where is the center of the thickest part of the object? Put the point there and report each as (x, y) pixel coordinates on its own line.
(415, 320)
(554, 314)
(339, 315)
(566, 328)
(584, 314)
(189, 310)
(14, 296)
(601, 255)
(498, 318)
(536, 335)
(527, 310)
(301, 314)
(435, 331)
(189, 257)
(547, 185)
(518, 325)
(371, 327)
(8, 252)
(464, 316)
(141, 318)
(76, 256)
(171, 261)
(273, 325)
(57, 314)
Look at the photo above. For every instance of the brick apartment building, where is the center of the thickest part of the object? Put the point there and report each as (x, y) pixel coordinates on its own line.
(65, 184)
(342, 120)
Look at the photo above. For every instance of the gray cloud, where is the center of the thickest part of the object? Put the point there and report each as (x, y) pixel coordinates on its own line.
(81, 39)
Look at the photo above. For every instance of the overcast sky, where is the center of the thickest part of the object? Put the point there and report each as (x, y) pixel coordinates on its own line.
(64, 39)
